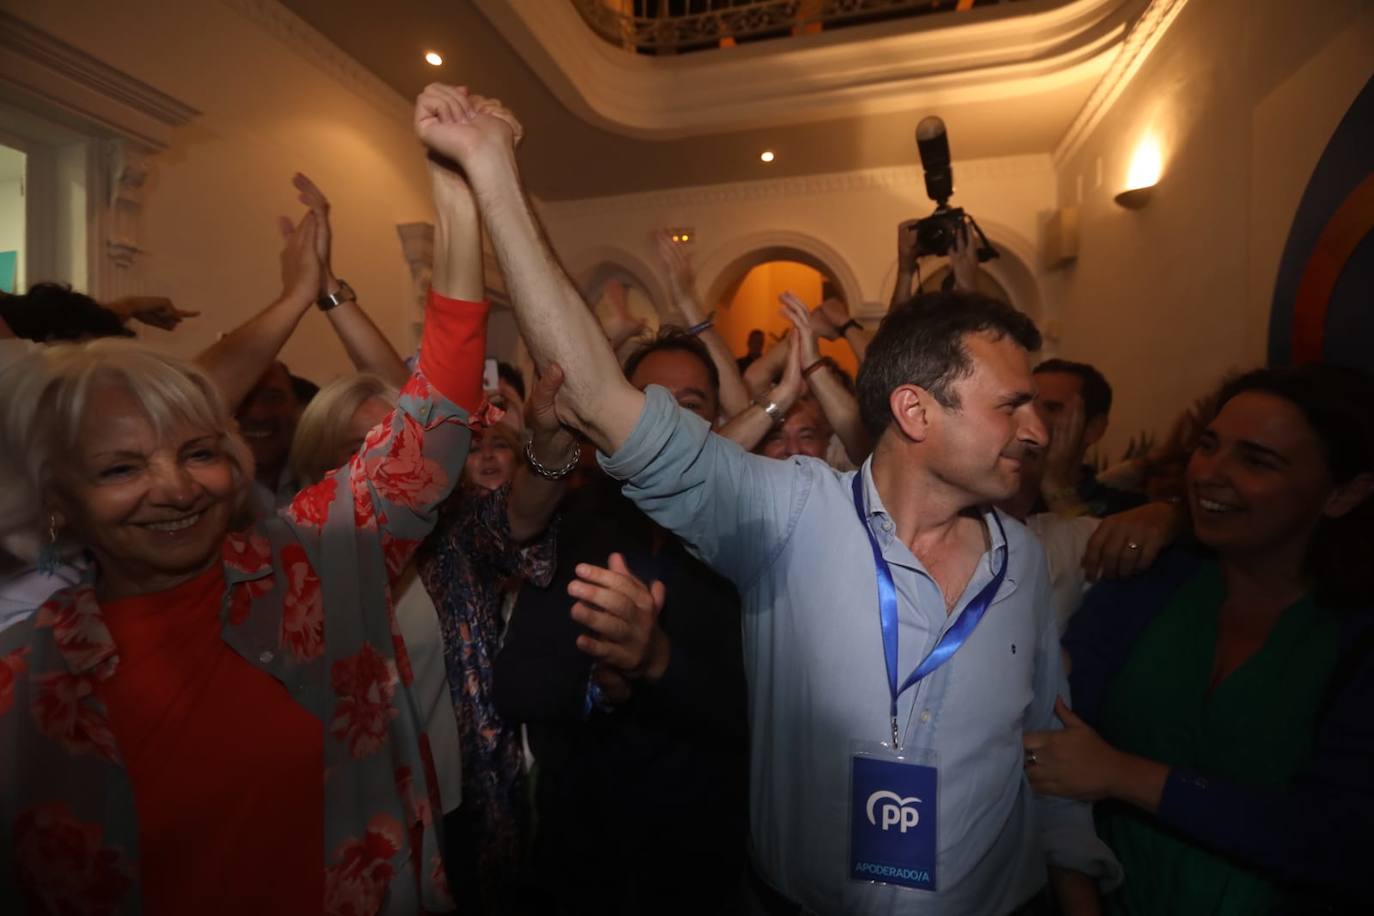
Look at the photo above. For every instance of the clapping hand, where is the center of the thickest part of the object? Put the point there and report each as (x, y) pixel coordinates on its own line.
(795, 311)
(310, 195)
(619, 325)
(300, 262)
(622, 614)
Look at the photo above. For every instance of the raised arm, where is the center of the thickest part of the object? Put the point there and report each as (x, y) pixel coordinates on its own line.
(534, 496)
(620, 327)
(734, 397)
(836, 312)
(365, 344)
(749, 427)
(555, 322)
(906, 263)
(764, 371)
(841, 408)
(237, 360)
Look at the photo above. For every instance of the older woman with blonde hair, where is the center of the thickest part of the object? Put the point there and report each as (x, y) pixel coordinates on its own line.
(217, 719)
(330, 431)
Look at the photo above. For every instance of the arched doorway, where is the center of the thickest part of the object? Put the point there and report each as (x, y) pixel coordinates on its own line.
(744, 289)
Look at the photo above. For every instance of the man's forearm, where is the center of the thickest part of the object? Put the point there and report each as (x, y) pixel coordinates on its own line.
(555, 322)
(366, 345)
(858, 339)
(239, 359)
(842, 412)
(901, 292)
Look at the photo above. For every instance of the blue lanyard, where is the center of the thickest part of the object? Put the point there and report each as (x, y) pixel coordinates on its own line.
(952, 639)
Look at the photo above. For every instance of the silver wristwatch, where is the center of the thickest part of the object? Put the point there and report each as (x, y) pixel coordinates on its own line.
(333, 300)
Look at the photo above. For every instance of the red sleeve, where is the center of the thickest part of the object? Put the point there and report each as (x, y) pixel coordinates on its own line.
(453, 348)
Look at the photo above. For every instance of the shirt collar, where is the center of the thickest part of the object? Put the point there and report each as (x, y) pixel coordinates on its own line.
(999, 549)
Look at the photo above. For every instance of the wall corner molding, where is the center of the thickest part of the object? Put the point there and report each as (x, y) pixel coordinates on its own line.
(1139, 43)
(309, 43)
(45, 66)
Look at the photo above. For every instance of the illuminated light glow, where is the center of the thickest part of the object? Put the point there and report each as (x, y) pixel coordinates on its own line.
(1147, 164)
(766, 156)
(433, 59)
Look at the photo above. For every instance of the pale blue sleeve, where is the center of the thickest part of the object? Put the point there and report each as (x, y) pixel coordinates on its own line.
(733, 509)
(1067, 833)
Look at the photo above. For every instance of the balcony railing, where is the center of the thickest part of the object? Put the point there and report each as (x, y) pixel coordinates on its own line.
(678, 26)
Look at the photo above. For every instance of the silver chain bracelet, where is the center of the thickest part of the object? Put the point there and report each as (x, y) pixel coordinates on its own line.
(556, 473)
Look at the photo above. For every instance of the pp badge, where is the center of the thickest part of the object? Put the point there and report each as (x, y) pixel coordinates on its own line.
(892, 818)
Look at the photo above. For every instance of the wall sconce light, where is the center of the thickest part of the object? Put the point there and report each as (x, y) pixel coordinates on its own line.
(434, 59)
(1147, 162)
(681, 235)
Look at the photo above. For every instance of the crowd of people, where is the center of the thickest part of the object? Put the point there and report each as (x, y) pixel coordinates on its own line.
(663, 628)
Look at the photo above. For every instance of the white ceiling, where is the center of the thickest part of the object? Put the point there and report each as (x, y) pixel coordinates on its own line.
(1007, 79)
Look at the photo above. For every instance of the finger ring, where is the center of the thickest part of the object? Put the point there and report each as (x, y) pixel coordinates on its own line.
(1132, 545)
(1031, 759)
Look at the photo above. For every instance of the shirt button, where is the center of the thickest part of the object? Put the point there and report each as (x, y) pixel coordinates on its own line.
(925, 716)
(265, 657)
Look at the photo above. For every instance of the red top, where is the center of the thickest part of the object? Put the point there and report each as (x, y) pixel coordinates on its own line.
(225, 766)
(454, 344)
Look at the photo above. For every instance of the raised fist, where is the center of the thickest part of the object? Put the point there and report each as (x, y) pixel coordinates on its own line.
(464, 127)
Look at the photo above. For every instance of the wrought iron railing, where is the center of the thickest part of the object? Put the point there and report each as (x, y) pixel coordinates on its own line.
(677, 26)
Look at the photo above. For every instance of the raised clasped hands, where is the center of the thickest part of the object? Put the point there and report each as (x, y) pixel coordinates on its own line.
(464, 127)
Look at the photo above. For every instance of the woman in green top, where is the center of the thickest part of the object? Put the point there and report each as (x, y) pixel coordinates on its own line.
(1225, 696)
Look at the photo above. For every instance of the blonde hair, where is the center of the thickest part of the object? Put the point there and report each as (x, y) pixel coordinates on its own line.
(43, 400)
(323, 427)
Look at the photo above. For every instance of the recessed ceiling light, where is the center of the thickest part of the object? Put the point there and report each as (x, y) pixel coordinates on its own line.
(433, 59)
(766, 155)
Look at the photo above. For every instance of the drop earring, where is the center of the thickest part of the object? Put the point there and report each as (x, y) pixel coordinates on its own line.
(48, 560)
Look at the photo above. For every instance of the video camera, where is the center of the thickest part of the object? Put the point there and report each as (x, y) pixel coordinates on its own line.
(935, 234)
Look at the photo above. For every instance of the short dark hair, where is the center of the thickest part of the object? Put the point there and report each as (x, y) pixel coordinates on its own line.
(511, 376)
(1097, 394)
(675, 338)
(1335, 401)
(304, 389)
(921, 342)
(53, 311)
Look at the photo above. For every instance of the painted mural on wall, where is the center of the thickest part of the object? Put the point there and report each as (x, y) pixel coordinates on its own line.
(1324, 297)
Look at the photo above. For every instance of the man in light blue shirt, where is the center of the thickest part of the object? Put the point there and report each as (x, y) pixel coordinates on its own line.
(946, 390)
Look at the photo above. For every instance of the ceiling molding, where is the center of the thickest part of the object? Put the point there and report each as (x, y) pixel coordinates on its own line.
(984, 54)
(894, 178)
(45, 67)
(1140, 42)
(304, 40)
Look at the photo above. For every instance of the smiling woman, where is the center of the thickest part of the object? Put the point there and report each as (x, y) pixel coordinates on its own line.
(193, 668)
(1231, 686)
(127, 452)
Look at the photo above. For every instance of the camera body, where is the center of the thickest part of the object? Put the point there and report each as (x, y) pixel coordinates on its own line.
(935, 234)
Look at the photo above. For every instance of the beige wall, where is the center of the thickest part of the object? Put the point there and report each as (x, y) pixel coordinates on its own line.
(1243, 96)
(846, 222)
(208, 219)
